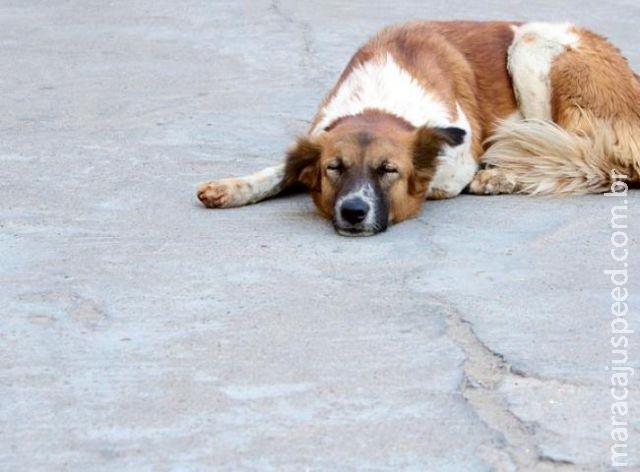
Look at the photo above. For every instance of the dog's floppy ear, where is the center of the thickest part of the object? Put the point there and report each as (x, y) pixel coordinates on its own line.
(429, 142)
(301, 164)
(452, 136)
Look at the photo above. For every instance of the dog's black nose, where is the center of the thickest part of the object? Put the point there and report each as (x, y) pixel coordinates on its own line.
(354, 210)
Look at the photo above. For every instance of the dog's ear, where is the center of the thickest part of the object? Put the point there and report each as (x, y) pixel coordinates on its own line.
(429, 142)
(452, 136)
(301, 164)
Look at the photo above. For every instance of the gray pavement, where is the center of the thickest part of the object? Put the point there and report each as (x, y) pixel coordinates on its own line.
(139, 331)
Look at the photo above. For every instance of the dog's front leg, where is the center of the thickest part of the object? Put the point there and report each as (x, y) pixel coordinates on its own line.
(239, 191)
(492, 181)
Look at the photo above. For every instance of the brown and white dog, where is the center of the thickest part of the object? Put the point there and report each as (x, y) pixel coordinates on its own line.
(426, 110)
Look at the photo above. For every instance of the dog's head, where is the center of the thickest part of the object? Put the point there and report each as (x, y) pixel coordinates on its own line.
(365, 172)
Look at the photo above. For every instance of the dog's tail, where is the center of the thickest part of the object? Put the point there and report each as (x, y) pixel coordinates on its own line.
(544, 158)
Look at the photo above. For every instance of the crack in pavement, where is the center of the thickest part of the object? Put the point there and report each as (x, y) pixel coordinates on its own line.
(483, 372)
(305, 33)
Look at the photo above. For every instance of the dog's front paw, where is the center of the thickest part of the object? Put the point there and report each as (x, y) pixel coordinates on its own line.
(215, 195)
(492, 182)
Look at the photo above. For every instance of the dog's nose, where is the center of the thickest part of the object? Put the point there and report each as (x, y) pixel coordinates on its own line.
(354, 210)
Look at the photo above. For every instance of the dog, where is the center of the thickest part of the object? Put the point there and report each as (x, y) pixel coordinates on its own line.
(427, 110)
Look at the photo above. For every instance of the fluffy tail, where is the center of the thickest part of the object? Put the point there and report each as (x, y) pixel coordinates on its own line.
(544, 158)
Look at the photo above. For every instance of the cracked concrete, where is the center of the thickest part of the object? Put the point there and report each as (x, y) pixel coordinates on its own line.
(485, 372)
(142, 332)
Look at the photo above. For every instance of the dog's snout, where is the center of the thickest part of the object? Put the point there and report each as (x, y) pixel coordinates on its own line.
(354, 210)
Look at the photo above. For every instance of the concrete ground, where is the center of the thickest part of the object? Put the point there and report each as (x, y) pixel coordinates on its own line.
(139, 331)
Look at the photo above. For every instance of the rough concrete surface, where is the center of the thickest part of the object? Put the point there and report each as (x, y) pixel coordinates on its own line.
(139, 331)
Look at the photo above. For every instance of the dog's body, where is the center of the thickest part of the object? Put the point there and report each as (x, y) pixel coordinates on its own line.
(545, 108)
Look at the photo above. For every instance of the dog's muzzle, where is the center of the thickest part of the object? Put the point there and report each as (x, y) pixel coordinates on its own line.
(357, 215)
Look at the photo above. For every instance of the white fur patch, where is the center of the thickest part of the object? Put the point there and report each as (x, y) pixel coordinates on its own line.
(263, 184)
(531, 56)
(456, 165)
(252, 188)
(382, 84)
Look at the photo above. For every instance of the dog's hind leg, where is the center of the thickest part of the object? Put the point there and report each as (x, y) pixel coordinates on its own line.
(581, 107)
(239, 191)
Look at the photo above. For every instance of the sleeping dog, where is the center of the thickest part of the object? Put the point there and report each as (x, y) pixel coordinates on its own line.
(425, 110)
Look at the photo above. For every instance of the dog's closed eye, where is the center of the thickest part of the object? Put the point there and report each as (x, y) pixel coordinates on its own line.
(387, 168)
(336, 166)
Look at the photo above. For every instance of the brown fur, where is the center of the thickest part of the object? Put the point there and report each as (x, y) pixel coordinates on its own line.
(596, 93)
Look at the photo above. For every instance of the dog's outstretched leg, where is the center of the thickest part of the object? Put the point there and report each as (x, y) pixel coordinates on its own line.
(239, 191)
